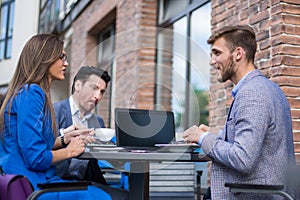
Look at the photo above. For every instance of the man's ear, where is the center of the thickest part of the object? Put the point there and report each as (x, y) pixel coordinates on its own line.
(78, 85)
(239, 53)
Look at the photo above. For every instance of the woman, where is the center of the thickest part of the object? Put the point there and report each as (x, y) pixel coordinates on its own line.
(28, 130)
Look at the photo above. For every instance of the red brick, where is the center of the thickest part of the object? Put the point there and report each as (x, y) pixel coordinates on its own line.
(264, 44)
(296, 2)
(297, 147)
(287, 80)
(291, 91)
(286, 60)
(262, 35)
(296, 134)
(288, 49)
(295, 113)
(294, 102)
(259, 17)
(285, 70)
(263, 54)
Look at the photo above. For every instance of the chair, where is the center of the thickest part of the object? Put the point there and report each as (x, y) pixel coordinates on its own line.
(254, 188)
(293, 180)
(59, 187)
(115, 178)
(197, 189)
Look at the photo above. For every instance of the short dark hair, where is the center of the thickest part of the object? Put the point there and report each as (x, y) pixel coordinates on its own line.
(237, 36)
(84, 73)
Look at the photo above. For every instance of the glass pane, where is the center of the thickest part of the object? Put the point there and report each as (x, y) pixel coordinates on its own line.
(200, 68)
(171, 70)
(11, 19)
(179, 72)
(170, 8)
(43, 2)
(8, 49)
(164, 68)
(106, 46)
(2, 50)
(4, 12)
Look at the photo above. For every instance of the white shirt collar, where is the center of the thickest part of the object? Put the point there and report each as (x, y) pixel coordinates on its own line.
(75, 110)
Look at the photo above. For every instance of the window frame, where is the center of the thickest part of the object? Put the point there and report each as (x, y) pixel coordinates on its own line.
(7, 38)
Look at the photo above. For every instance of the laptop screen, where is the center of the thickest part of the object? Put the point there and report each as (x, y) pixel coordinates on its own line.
(143, 128)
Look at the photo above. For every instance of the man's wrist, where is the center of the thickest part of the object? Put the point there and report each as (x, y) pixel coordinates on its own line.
(200, 139)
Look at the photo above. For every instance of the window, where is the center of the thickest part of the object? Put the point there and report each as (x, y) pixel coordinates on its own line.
(49, 12)
(106, 46)
(183, 70)
(6, 28)
(105, 60)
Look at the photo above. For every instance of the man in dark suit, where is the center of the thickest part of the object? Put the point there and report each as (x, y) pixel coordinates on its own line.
(88, 88)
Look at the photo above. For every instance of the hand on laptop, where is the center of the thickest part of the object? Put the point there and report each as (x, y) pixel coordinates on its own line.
(192, 134)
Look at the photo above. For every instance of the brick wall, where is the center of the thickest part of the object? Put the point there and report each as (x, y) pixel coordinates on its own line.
(277, 26)
(86, 28)
(134, 75)
(135, 53)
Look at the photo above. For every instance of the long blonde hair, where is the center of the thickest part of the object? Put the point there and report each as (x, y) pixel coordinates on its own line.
(37, 56)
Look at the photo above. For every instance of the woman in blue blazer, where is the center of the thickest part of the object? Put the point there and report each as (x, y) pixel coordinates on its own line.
(30, 145)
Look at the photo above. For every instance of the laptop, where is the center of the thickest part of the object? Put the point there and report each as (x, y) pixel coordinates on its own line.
(139, 129)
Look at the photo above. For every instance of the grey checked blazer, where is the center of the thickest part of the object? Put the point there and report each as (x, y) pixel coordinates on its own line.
(256, 145)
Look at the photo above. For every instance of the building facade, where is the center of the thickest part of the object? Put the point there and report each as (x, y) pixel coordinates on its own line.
(14, 32)
(149, 47)
(157, 54)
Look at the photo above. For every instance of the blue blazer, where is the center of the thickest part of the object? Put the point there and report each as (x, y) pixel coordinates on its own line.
(63, 120)
(28, 142)
(256, 145)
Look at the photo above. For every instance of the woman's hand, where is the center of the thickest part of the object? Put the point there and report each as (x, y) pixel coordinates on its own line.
(76, 147)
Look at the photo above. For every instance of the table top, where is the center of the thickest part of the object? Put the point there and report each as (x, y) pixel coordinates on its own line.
(119, 154)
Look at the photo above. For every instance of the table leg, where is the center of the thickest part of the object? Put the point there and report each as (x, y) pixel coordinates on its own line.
(139, 181)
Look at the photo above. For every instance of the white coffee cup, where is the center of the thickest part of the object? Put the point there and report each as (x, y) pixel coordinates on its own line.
(104, 134)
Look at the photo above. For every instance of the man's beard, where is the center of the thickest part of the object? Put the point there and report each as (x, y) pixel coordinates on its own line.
(229, 71)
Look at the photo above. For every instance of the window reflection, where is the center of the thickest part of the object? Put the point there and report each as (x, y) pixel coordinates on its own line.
(172, 7)
(200, 68)
(179, 71)
(183, 71)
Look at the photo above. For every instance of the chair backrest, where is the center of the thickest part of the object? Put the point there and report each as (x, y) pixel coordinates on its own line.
(14, 187)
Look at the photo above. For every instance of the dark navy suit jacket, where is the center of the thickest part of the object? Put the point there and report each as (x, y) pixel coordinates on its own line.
(63, 120)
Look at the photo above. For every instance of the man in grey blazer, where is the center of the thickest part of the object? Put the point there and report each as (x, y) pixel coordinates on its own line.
(256, 145)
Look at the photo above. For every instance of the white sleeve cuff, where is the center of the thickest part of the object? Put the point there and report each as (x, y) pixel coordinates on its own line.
(61, 132)
(201, 138)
